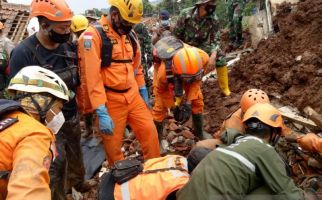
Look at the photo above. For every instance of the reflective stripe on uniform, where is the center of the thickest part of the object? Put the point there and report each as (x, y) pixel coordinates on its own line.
(239, 157)
(198, 58)
(182, 62)
(125, 190)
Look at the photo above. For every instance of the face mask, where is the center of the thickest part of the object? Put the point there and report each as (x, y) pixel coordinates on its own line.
(210, 9)
(57, 37)
(56, 123)
(165, 23)
(121, 29)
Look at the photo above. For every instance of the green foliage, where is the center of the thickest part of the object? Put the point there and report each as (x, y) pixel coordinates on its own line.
(148, 8)
(249, 7)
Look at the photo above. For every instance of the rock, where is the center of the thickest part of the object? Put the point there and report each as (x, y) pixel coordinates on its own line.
(298, 58)
(173, 127)
(187, 134)
(171, 136)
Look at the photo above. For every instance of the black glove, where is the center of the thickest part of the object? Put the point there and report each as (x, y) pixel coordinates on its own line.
(182, 113)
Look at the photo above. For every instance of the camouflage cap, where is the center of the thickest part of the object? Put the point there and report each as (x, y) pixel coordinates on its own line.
(91, 14)
(205, 1)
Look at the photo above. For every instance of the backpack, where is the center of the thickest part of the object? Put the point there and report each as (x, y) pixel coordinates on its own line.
(107, 47)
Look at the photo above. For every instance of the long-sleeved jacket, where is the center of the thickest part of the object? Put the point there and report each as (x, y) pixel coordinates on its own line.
(25, 152)
(234, 171)
(118, 76)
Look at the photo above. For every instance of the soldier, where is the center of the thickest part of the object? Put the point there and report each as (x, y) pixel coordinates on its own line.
(6, 46)
(91, 16)
(146, 50)
(247, 164)
(163, 28)
(198, 26)
(235, 16)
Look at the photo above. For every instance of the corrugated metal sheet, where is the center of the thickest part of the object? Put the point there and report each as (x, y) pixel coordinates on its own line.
(15, 17)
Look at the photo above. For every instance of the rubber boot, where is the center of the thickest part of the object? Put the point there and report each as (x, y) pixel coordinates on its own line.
(197, 124)
(159, 126)
(222, 74)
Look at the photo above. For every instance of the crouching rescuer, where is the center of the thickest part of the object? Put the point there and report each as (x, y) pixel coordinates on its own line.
(112, 80)
(178, 71)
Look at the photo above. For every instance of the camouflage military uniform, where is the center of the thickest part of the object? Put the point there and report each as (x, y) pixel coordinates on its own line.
(202, 33)
(235, 16)
(146, 49)
(6, 46)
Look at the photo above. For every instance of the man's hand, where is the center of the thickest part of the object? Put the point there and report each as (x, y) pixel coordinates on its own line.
(105, 122)
(182, 113)
(310, 142)
(145, 96)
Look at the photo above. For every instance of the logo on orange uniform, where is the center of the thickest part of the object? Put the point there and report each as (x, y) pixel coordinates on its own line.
(88, 37)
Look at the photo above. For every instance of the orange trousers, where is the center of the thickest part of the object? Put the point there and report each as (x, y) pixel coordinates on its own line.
(138, 116)
(24, 151)
(165, 100)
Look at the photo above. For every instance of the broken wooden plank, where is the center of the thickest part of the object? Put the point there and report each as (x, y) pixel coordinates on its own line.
(314, 116)
(292, 115)
(237, 53)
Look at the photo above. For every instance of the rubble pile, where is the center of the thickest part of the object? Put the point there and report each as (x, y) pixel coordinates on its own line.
(177, 139)
(287, 65)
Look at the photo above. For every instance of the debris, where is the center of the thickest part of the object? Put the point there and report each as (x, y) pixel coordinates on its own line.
(76, 195)
(314, 116)
(292, 115)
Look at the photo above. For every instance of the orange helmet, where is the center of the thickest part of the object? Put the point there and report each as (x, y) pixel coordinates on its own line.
(251, 97)
(1, 26)
(187, 62)
(265, 113)
(54, 10)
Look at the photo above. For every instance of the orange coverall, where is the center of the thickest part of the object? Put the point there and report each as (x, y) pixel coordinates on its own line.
(164, 99)
(25, 152)
(123, 107)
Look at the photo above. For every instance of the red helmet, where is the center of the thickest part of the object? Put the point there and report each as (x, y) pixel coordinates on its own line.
(54, 10)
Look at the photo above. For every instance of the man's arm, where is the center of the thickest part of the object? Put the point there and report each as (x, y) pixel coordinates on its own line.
(31, 159)
(18, 60)
(92, 86)
(180, 29)
(272, 169)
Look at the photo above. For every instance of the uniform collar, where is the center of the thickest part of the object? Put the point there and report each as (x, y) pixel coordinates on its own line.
(107, 26)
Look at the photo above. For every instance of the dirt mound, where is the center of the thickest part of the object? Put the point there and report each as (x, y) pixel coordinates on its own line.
(288, 63)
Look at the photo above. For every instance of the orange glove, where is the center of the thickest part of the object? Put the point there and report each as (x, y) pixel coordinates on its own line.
(310, 142)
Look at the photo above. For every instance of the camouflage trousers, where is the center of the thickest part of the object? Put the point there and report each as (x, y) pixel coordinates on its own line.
(235, 10)
(3, 85)
(67, 170)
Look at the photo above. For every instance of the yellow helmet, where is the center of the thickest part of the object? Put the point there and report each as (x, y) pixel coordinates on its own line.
(130, 10)
(79, 23)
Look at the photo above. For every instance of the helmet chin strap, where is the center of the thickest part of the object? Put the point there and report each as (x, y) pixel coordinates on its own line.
(42, 112)
(274, 137)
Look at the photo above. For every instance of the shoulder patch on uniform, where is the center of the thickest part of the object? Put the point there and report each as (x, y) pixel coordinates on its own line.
(113, 41)
(6, 122)
(105, 28)
(88, 37)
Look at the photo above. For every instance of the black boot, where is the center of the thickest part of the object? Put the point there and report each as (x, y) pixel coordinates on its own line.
(159, 126)
(197, 124)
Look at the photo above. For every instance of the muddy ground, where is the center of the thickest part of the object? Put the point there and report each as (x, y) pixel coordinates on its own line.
(288, 64)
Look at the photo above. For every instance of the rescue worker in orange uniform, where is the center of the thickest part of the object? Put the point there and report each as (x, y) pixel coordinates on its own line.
(112, 81)
(310, 142)
(161, 178)
(234, 121)
(179, 71)
(25, 141)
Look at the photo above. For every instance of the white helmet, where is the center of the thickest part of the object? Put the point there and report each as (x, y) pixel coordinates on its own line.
(35, 79)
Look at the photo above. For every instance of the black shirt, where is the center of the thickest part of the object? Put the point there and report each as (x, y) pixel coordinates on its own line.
(56, 58)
